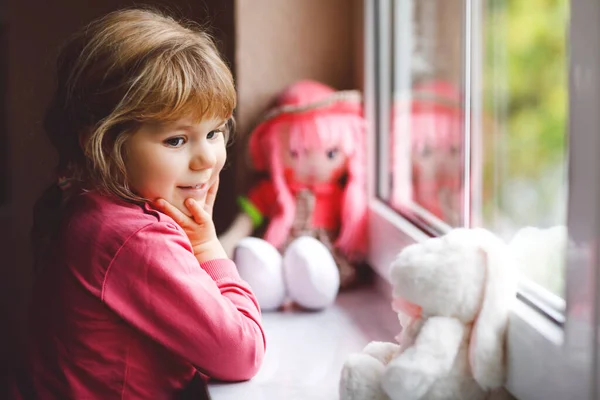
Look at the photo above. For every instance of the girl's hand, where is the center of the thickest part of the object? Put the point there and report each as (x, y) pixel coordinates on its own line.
(199, 228)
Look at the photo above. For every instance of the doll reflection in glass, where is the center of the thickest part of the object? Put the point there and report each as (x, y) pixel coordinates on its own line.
(433, 119)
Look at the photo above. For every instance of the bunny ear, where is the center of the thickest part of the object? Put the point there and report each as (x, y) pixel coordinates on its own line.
(487, 351)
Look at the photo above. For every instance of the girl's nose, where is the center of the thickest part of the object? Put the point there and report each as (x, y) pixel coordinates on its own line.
(204, 157)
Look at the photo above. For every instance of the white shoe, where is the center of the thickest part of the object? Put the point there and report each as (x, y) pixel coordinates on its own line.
(260, 264)
(311, 274)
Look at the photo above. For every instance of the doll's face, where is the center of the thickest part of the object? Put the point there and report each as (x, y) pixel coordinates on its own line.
(317, 165)
(437, 152)
(313, 165)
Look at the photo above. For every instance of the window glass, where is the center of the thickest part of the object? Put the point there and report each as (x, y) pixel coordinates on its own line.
(426, 140)
(483, 142)
(524, 132)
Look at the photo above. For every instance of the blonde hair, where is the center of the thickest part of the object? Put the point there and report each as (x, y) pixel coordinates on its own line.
(127, 68)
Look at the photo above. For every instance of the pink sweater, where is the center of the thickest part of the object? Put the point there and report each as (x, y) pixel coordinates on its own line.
(123, 310)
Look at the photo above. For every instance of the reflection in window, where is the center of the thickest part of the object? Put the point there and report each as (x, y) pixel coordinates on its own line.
(435, 119)
(477, 121)
(427, 111)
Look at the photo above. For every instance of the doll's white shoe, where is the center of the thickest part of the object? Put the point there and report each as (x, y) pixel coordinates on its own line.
(311, 274)
(260, 264)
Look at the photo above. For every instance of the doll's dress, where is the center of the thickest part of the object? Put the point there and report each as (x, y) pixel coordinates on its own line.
(302, 226)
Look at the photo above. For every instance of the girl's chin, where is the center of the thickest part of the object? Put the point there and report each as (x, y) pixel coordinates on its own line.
(179, 203)
(181, 207)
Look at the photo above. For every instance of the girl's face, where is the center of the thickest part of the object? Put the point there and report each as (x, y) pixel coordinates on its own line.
(175, 161)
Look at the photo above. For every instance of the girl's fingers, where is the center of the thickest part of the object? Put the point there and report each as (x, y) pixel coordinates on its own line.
(173, 212)
(210, 197)
(198, 213)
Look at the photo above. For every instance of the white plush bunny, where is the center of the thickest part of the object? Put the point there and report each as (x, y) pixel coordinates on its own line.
(452, 295)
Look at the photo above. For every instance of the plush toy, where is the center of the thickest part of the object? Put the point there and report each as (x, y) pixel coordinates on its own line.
(452, 295)
(311, 149)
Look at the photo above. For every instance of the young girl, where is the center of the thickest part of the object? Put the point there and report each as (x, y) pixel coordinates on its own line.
(136, 296)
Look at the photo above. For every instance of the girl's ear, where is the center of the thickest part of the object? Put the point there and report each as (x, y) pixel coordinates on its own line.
(487, 352)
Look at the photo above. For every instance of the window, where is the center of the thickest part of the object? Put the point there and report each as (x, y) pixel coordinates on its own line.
(426, 108)
(485, 113)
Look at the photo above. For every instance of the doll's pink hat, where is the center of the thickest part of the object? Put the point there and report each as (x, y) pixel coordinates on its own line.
(301, 100)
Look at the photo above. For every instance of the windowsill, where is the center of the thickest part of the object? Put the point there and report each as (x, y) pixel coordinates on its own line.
(389, 233)
(306, 350)
(537, 354)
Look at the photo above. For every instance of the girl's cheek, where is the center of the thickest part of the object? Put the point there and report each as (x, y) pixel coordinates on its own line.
(222, 161)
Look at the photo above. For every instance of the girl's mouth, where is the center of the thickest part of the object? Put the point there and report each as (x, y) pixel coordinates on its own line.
(196, 190)
(200, 186)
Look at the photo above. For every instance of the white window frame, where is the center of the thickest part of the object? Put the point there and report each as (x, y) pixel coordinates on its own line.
(546, 361)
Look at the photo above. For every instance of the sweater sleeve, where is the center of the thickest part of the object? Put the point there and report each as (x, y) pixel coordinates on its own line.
(204, 313)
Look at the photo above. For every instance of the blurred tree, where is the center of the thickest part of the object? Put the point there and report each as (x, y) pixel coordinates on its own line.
(526, 94)
(525, 89)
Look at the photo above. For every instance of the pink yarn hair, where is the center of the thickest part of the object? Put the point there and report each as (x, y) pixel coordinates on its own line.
(317, 130)
(436, 122)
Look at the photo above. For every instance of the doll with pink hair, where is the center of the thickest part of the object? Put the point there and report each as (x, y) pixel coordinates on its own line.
(435, 122)
(311, 149)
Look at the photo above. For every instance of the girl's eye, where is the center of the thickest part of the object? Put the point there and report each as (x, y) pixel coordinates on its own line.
(332, 153)
(212, 134)
(294, 154)
(175, 142)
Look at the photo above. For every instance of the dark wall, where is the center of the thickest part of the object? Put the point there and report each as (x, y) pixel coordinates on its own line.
(34, 30)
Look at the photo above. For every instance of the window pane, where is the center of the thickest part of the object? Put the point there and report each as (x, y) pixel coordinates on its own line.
(523, 129)
(426, 141)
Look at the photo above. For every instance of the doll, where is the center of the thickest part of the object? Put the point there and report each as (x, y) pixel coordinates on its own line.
(311, 147)
(435, 129)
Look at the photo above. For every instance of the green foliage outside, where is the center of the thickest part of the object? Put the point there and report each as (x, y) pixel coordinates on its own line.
(525, 92)
(525, 128)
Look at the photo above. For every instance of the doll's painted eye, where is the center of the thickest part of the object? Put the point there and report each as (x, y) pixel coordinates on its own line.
(332, 153)
(293, 153)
